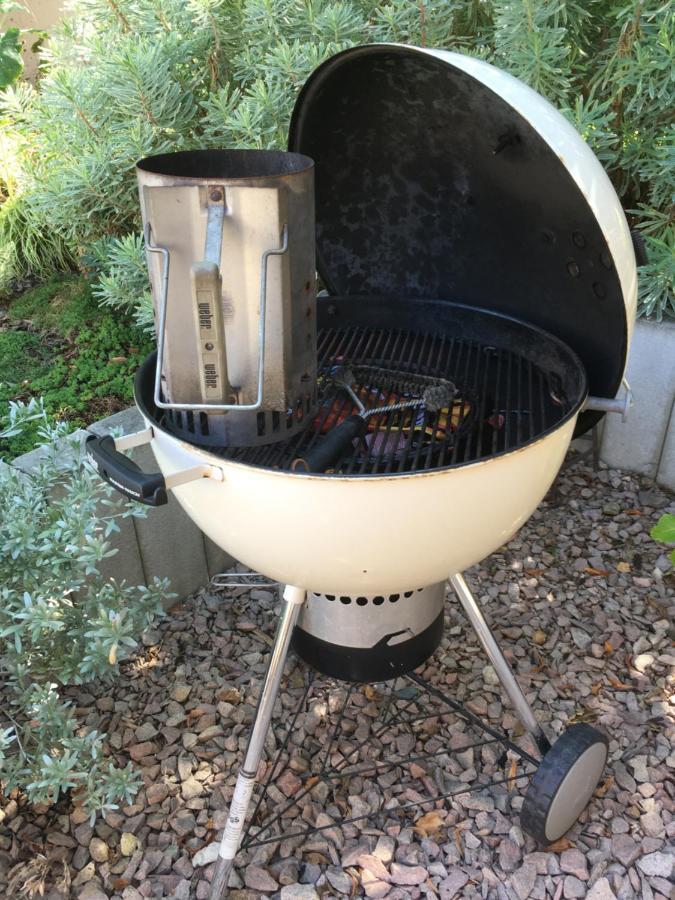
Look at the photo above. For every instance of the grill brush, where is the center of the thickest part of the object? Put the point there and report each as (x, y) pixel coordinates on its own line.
(423, 391)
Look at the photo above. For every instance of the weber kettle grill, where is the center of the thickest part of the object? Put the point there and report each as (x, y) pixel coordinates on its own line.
(466, 234)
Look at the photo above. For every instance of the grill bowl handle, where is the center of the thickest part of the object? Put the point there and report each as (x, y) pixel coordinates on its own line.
(123, 474)
(329, 450)
(107, 457)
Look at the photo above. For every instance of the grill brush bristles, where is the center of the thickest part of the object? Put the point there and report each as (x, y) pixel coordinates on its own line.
(438, 397)
(433, 394)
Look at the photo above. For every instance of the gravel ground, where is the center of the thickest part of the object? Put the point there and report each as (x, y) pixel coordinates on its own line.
(581, 600)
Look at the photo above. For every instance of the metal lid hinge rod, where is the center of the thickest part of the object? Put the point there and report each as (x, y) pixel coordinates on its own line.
(193, 474)
(617, 405)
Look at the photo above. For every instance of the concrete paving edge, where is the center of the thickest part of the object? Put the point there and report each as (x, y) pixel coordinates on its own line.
(645, 442)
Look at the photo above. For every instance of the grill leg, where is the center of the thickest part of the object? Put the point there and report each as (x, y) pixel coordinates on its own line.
(294, 598)
(501, 667)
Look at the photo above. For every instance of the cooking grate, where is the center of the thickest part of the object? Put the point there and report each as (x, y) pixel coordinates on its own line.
(504, 400)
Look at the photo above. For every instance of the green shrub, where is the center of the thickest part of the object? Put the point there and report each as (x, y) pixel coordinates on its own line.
(122, 281)
(11, 63)
(61, 622)
(134, 77)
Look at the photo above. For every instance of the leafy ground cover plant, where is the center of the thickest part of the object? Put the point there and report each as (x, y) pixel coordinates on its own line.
(61, 621)
(664, 532)
(11, 63)
(135, 77)
(57, 343)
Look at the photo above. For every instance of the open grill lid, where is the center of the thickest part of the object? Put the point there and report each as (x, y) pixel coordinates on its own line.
(441, 176)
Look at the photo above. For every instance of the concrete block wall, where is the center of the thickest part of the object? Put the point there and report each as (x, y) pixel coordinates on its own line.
(645, 443)
(166, 544)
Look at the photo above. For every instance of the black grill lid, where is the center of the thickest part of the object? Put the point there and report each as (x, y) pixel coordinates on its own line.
(440, 176)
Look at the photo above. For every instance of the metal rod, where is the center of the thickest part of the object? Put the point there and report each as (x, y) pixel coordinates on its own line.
(295, 799)
(294, 598)
(378, 765)
(595, 446)
(241, 580)
(496, 657)
(386, 705)
(279, 754)
(382, 811)
(472, 719)
(136, 439)
(346, 768)
(215, 222)
(335, 731)
(164, 293)
(192, 474)
(619, 405)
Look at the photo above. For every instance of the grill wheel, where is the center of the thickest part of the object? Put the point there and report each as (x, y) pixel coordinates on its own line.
(564, 783)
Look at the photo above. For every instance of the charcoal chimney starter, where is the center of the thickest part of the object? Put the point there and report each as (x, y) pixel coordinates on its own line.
(229, 238)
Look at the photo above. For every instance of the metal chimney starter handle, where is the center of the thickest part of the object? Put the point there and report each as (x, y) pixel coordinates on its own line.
(212, 407)
(207, 283)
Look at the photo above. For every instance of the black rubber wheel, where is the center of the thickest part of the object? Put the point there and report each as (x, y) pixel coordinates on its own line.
(564, 783)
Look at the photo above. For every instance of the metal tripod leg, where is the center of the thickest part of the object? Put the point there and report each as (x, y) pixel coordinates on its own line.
(501, 667)
(294, 598)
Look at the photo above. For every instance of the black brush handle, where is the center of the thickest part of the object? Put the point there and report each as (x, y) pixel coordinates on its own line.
(329, 450)
(640, 248)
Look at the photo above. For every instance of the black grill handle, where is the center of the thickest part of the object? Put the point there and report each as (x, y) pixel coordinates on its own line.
(123, 474)
(328, 451)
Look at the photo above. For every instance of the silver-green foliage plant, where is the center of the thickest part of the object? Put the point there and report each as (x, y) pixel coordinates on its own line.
(61, 622)
(120, 276)
(132, 77)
